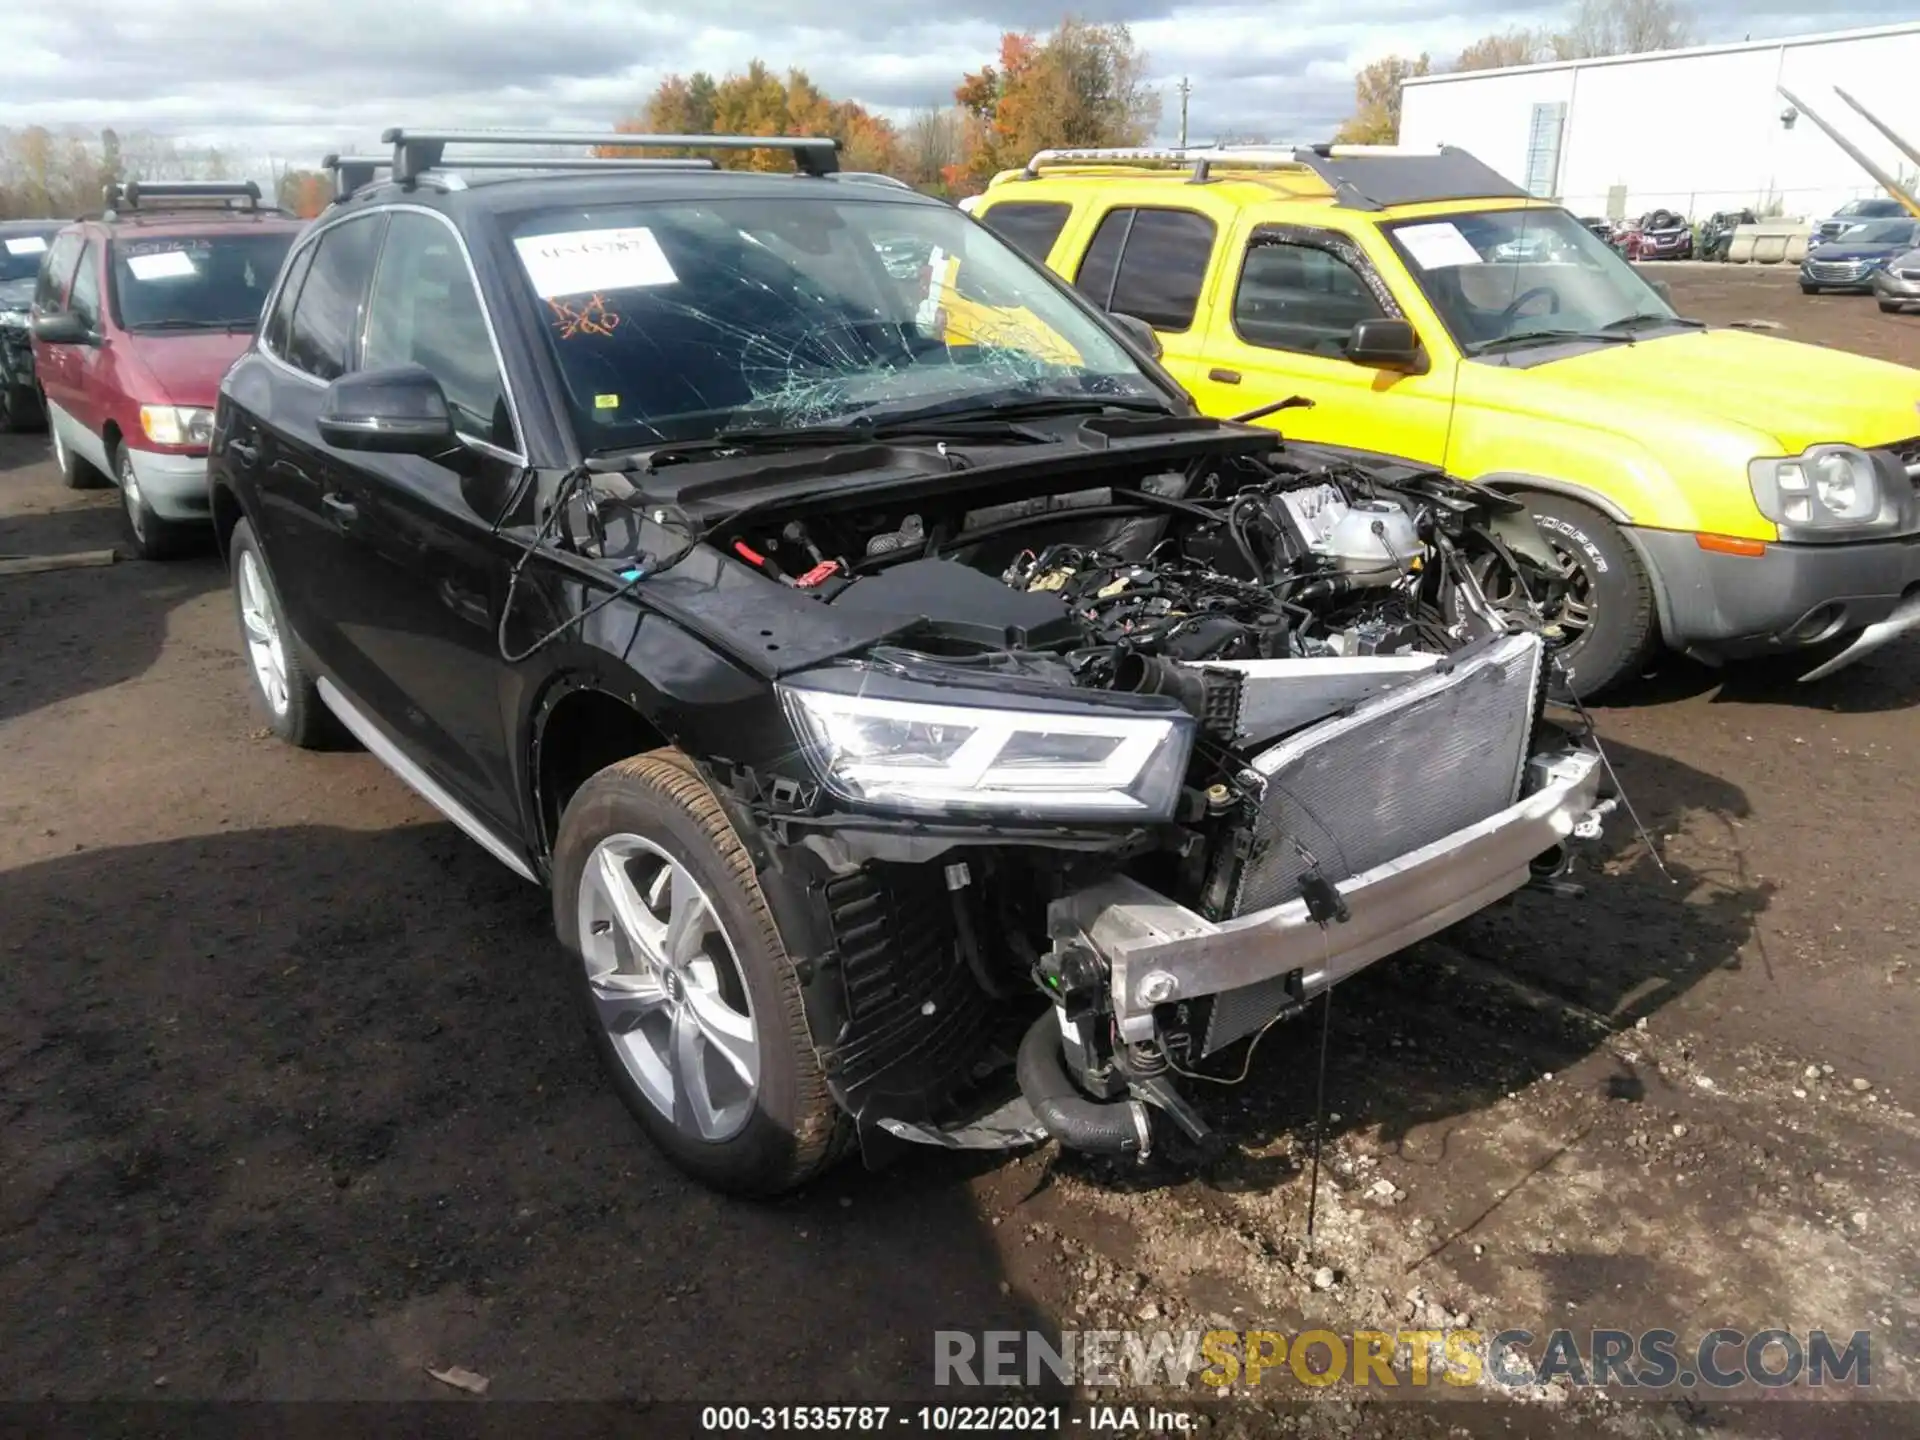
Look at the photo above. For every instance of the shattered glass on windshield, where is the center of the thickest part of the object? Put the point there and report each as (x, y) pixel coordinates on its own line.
(672, 321)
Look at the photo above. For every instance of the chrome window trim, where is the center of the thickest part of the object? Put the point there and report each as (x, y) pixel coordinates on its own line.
(473, 275)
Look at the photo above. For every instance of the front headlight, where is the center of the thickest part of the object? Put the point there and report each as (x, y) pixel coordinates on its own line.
(176, 424)
(1831, 492)
(929, 758)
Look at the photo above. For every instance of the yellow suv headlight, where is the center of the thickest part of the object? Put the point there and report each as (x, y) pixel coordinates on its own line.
(1830, 492)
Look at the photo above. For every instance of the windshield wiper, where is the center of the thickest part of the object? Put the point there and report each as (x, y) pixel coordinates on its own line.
(1646, 320)
(851, 432)
(1521, 339)
(181, 323)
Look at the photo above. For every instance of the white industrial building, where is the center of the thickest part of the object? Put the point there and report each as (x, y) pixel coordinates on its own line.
(1695, 130)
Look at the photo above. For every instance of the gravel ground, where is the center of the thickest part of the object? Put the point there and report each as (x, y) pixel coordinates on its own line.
(296, 1107)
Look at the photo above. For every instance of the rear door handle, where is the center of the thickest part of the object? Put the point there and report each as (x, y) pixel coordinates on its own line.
(1224, 375)
(343, 510)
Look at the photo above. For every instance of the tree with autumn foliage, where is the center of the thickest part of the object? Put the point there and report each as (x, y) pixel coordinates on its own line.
(759, 102)
(1082, 85)
(1376, 100)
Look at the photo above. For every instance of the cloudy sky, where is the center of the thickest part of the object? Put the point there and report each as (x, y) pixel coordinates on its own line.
(292, 78)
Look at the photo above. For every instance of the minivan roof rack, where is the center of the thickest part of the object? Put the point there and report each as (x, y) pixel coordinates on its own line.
(1362, 177)
(417, 151)
(181, 195)
(352, 173)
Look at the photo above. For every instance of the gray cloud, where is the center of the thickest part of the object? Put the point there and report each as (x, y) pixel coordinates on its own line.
(302, 76)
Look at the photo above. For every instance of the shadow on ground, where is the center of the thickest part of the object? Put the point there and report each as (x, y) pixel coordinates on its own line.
(295, 1113)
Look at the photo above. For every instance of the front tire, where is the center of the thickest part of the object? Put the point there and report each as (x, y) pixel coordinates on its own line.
(1608, 614)
(75, 473)
(684, 983)
(281, 683)
(1806, 289)
(153, 538)
(1890, 307)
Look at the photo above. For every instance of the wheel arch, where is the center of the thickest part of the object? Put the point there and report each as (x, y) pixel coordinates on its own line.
(1517, 482)
(578, 728)
(228, 512)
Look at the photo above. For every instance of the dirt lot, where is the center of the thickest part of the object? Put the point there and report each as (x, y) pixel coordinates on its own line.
(295, 1105)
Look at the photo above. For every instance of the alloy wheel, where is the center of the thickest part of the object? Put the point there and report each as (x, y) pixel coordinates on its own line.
(265, 650)
(667, 988)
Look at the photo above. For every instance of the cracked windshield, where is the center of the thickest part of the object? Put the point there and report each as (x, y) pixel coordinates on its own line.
(1501, 277)
(780, 314)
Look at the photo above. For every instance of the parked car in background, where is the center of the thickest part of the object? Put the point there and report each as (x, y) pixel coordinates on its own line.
(22, 245)
(1716, 235)
(1662, 235)
(1851, 262)
(1722, 492)
(1858, 212)
(1897, 283)
(1600, 225)
(137, 313)
(867, 706)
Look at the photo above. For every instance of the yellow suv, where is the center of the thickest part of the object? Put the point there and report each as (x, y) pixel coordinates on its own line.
(1726, 492)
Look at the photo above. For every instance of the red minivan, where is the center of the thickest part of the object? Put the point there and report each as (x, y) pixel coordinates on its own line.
(137, 314)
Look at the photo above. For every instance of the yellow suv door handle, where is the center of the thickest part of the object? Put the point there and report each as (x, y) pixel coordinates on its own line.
(1224, 375)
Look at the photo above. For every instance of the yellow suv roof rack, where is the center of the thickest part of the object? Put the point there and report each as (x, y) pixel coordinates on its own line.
(1362, 177)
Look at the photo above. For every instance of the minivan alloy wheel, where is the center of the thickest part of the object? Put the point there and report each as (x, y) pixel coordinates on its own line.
(130, 498)
(265, 650)
(667, 989)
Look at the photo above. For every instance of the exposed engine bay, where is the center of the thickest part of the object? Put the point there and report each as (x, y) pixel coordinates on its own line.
(1361, 757)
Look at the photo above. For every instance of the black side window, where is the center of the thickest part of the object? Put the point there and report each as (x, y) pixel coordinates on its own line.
(1102, 260)
(280, 323)
(85, 300)
(1149, 264)
(1163, 268)
(1300, 298)
(56, 268)
(1030, 226)
(424, 311)
(326, 317)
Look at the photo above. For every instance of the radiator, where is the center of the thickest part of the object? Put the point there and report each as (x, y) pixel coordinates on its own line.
(1399, 771)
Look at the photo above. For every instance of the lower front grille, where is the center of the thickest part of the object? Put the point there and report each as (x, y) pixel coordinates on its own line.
(1401, 771)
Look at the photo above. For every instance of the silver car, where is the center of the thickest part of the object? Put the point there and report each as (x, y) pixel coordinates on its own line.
(1896, 285)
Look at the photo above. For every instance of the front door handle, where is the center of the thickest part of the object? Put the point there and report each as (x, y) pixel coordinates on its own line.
(1224, 375)
(246, 454)
(343, 510)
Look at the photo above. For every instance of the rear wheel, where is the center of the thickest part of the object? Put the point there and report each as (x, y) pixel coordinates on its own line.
(282, 685)
(153, 538)
(1606, 616)
(684, 983)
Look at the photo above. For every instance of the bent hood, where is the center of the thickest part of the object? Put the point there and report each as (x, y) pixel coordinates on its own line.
(1800, 394)
(188, 367)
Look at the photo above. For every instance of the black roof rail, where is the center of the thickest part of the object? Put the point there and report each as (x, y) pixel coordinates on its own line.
(1362, 177)
(181, 195)
(352, 173)
(417, 151)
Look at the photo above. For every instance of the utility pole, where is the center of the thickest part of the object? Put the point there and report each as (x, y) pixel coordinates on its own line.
(1185, 90)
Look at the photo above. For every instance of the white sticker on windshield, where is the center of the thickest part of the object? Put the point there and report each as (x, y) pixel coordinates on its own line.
(27, 245)
(167, 265)
(578, 262)
(1436, 246)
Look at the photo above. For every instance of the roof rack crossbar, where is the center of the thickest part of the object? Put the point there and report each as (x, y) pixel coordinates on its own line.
(353, 173)
(417, 151)
(139, 194)
(1362, 177)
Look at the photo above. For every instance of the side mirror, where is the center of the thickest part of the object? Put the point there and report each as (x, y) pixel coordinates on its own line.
(1386, 345)
(402, 411)
(64, 328)
(1138, 331)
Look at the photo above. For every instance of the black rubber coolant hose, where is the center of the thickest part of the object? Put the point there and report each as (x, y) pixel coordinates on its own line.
(1103, 1127)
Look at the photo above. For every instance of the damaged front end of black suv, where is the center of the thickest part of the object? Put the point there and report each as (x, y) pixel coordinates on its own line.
(1086, 759)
